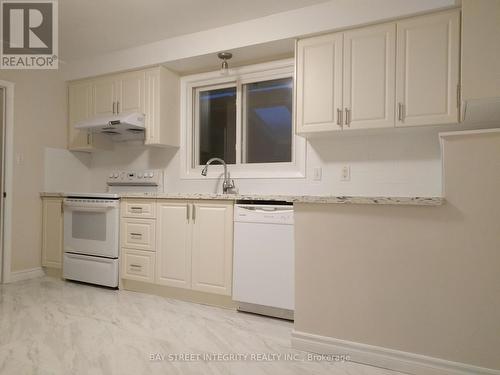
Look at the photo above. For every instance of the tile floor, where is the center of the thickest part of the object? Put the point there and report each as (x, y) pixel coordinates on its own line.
(49, 326)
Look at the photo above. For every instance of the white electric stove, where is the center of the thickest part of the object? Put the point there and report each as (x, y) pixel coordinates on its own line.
(92, 227)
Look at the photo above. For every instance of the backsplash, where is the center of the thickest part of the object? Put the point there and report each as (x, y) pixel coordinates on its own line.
(396, 163)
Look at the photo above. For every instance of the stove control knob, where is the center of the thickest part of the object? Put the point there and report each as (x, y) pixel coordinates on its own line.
(139, 175)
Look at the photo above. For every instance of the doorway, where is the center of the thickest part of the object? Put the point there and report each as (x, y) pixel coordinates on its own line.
(2, 171)
(6, 165)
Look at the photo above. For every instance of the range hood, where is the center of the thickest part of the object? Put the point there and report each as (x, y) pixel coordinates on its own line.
(121, 127)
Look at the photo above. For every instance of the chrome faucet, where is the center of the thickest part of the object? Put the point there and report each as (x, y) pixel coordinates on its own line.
(228, 183)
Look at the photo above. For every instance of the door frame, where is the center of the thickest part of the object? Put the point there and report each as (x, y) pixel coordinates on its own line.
(5, 255)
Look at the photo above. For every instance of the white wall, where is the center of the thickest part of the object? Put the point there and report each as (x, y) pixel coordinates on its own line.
(66, 171)
(395, 162)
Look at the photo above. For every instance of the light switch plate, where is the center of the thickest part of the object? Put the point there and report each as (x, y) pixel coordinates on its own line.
(317, 174)
(345, 174)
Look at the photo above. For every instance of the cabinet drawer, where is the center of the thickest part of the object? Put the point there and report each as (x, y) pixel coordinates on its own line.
(141, 208)
(138, 234)
(138, 265)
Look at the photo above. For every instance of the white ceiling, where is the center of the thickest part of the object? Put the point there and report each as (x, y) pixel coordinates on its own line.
(254, 54)
(93, 27)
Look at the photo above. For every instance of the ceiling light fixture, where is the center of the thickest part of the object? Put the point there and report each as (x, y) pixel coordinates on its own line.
(224, 56)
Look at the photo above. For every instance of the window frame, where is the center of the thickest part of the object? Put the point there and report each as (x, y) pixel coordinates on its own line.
(237, 77)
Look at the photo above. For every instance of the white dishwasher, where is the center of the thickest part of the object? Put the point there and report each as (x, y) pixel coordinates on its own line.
(264, 259)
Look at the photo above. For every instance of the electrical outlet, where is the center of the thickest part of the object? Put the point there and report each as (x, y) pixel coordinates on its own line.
(317, 174)
(345, 174)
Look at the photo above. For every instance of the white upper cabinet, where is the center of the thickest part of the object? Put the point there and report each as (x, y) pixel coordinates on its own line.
(80, 108)
(118, 94)
(369, 76)
(427, 74)
(319, 84)
(154, 92)
(402, 73)
(130, 92)
(162, 108)
(104, 97)
(212, 252)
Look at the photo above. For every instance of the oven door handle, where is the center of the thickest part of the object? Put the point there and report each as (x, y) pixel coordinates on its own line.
(87, 209)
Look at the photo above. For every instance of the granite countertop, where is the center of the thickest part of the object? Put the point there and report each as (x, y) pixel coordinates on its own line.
(317, 199)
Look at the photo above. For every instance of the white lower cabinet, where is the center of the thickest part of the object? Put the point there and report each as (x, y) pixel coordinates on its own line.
(212, 247)
(173, 266)
(138, 233)
(193, 246)
(52, 232)
(138, 208)
(138, 265)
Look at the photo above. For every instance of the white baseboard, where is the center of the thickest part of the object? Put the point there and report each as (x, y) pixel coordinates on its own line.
(26, 274)
(383, 357)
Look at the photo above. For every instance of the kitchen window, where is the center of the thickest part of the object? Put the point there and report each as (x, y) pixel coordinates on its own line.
(245, 118)
(216, 123)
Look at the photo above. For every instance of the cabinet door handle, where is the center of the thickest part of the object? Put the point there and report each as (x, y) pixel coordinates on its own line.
(139, 235)
(194, 213)
(339, 117)
(348, 117)
(113, 107)
(136, 209)
(135, 266)
(88, 139)
(117, 107)
(400, 112)
(187, 211)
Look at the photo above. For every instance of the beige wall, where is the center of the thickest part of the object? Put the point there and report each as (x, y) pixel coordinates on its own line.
(423, 280)
(39, 122)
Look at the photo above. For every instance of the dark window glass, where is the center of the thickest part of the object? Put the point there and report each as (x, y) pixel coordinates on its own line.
(267, 132)
(217, 122)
